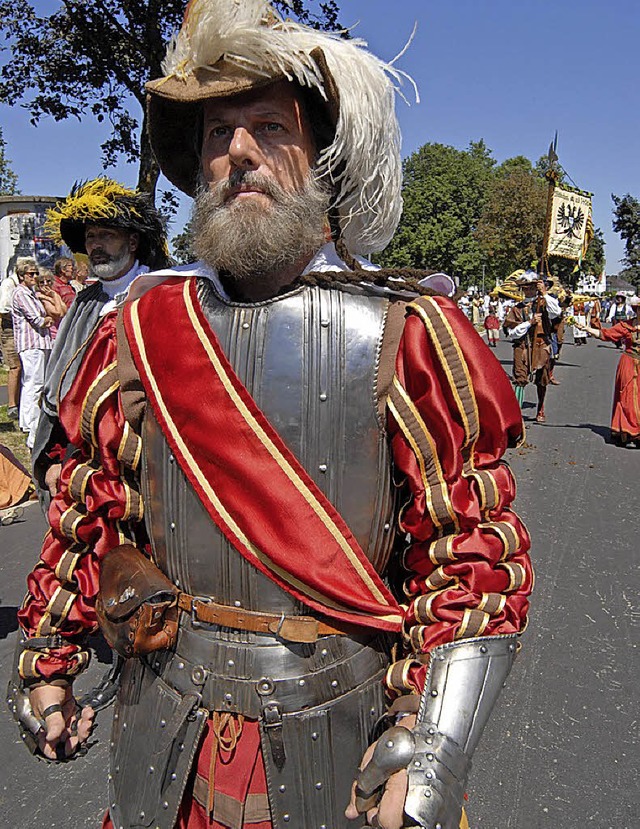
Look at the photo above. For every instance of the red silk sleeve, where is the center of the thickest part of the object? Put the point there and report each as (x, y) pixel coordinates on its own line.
(97, 507)
(451, 416)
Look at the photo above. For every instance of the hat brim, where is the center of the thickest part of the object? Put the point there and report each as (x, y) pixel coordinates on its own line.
(174, 112)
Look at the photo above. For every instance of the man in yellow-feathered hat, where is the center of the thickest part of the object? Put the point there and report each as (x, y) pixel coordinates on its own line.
(123, 236)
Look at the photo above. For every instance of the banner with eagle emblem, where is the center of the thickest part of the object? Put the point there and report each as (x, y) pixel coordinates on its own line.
(570, 223)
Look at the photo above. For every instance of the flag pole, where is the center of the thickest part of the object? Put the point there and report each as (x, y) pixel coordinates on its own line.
(552, 177)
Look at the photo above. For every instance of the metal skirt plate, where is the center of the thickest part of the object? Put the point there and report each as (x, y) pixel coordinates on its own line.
(323, 747)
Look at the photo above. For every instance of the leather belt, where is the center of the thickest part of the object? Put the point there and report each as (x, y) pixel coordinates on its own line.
(291, 628)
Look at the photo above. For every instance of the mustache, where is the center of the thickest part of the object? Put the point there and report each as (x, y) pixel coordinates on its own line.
(220, 192)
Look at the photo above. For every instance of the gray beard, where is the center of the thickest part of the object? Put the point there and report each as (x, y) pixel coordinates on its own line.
(106, 271)
(254, 244)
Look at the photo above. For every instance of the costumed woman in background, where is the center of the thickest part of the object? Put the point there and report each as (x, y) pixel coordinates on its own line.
(625, 418)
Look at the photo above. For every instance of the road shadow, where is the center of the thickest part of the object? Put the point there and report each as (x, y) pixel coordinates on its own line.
(8, 621)
(101, 650)
(602, 431)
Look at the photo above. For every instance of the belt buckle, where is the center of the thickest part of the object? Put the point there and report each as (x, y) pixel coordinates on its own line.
(194, 613)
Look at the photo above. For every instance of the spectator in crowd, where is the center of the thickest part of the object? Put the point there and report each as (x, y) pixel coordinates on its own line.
(52, 302)
(64, 272)
(9, 354)
(31, 326)
(81, 279)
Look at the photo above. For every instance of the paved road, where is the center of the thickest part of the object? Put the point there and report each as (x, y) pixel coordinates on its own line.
(561, 750)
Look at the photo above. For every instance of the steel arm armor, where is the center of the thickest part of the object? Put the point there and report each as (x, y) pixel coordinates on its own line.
(463, 684)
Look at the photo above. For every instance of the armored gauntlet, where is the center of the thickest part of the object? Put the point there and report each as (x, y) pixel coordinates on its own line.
(463, 684)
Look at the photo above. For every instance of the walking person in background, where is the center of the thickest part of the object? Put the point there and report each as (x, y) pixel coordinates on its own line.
(492, 326)
(595, 313)
(625, 417)
(528, 325)
(578, 312)
(31, 326)
(9, 353)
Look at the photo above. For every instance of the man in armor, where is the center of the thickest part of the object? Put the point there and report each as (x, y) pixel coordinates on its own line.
(247, 430)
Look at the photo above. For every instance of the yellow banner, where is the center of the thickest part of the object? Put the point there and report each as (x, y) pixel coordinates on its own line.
(570, 217)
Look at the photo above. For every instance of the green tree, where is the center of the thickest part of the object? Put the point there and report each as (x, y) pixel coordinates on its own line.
(511, 228)
(444, 191)
(92, 60)
(181, 244)
(8, 179)
(626, 222)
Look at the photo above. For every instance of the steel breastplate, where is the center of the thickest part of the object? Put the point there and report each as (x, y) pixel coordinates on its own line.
(310, 361)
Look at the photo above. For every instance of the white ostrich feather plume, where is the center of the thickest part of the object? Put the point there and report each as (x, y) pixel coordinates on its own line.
(363, 163)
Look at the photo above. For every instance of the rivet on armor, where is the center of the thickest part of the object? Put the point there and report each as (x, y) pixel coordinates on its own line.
(181, 747)
(314, 736)
(323, 396)
(324, 652)
(163, 723)
(282, 788)
(389, 744)
(318, 785)
(483, 648)
(231, 664)
(372, 712)
(432, 731)
(181, 666)
(265, 686)
(286, 818)
(323, 467)
(434, 693)
(323, 826)
(237, 603)
(165, 805)
(245, 325)
(109, 777)
(417, 764)
(151, 769)
(512, 648)
(324, 323)
(141, 814)
(117, 769)
(171, 459)
(173, 526)
(301, 683)
(173, 775)
(228, 697)
(427, 792)
(429, 741)
(429, 775)
(124, 726)
(198, 675)
(438, 826)
(387, 527)
(430, 757)
(334, 683)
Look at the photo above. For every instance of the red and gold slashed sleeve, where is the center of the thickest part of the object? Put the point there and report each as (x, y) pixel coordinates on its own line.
(451, 416)
(97, 507)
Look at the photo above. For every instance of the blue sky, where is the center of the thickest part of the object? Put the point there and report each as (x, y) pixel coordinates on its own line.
(511, 72)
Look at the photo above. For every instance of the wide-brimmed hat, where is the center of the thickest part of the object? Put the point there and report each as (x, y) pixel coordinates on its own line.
(103, 201)
(226, 48)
